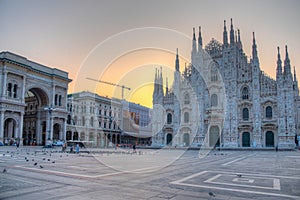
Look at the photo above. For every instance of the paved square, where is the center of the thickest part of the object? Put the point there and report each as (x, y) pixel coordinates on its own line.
(36, 173)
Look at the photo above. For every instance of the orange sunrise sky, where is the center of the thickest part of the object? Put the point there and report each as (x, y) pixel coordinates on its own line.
(124, 41)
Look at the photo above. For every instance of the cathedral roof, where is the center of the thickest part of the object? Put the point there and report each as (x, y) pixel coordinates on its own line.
(214, 48)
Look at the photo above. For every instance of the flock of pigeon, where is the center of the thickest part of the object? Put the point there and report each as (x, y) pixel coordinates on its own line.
(33, 157)
(36, 158)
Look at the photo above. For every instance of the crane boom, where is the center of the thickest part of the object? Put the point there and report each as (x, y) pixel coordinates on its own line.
(109, 83)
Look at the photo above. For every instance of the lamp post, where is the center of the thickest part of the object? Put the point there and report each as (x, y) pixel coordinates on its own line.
(49, 139)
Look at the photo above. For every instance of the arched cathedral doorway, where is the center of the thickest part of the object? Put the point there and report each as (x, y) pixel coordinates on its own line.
(246, 139)
(186, 139)
(269, 139)
(214, 136)
(169, 139)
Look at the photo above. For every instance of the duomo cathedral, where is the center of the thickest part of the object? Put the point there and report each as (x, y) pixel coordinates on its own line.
(224, 99)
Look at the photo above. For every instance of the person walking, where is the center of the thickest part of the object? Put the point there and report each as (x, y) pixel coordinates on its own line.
(77, 148)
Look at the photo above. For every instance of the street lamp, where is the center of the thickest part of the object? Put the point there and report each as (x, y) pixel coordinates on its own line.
(49, 109)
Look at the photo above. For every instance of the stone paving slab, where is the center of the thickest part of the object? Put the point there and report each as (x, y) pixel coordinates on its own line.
(149, 174)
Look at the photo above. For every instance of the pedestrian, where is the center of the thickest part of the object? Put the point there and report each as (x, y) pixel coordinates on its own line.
(133, 147)
(18, 144)
(77, 148)
(64, 146)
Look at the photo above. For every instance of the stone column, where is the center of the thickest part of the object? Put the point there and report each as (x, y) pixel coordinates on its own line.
(23, 89)
(102, 139)
(72, 134)
(20, 137)
(64, 130)
(51, 127)
(1, 124)
(4, 82)
(38, 128)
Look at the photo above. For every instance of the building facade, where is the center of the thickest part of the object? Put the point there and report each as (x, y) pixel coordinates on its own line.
(33, 101)
(136, 124)
(93, 118)
(223, 98)
(105, 122)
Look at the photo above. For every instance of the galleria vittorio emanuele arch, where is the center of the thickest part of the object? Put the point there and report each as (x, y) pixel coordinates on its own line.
(32, 101)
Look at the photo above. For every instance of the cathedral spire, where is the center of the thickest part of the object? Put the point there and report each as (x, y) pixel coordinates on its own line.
(225, 37)
(161, 74)
(231, 33)
(177, 61)
(155, 91)
(199, 39)
(167, 87)
(155, 81)
(161, 89)
(194, 35)
(295, 76)
(239, 40)
(194, 48)
(287, 67)
(287, 59)
(236, 38)
(254, 48)
(279, 65)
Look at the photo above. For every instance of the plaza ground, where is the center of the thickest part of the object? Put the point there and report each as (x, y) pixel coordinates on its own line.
(37, 173)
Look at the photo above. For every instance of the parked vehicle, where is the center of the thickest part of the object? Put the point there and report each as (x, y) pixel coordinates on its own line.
(73, 143)
(58, 143)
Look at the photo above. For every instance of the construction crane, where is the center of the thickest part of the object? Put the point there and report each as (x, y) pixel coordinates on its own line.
(122, 86)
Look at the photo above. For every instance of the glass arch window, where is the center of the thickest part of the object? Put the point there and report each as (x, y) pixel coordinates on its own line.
(245, 114)
(186, 117)
(245, 93)
(169, 118)
(214, 100)
(9, 89)
(214, 74)
(186, 99)
(15, 92)
(269, 112)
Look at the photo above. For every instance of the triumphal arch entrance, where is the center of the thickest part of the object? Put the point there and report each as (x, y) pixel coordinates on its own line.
(32, 101)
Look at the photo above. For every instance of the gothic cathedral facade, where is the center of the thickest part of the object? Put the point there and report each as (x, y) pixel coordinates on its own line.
(224, 99)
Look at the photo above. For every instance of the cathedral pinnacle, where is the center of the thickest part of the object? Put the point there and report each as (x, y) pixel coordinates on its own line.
(287, 67)
(199, 39)
(177, 61)
(295, 76)
(286, 53)
(167, 87)
(194, 36)
(194, 47)
(239, 40)
(231, 33)
(279, 67)
(254, 49)
(225, 37)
